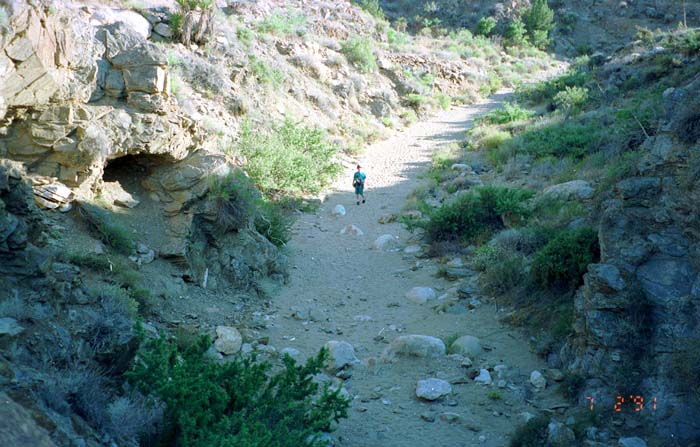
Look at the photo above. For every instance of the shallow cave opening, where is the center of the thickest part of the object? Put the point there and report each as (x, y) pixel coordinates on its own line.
(131, 170)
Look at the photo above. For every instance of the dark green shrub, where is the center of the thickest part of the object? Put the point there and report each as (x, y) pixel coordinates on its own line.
(117, 237)
(478, 213)
(543, 92)
(565, 258)
(572, 99)
(539, 21)
(485, 26)
(502, 270)
(372, 7)
(273, 222)
(532, 434)
(508, 113)
(360, 52)
(240, 402)
(235, 199)
(564, 139)
(291, 159)
(571, 385)
(515, 34)
(266, 74)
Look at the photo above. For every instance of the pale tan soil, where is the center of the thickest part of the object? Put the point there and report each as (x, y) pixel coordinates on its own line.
(345, 282)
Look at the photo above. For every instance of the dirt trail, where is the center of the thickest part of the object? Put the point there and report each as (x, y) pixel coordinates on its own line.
(353, 293)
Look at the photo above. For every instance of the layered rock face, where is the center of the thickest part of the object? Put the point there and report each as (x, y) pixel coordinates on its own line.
(80, 87)
(637, 313)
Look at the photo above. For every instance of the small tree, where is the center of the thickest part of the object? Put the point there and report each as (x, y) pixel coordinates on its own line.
(539, 21)
(189, 29)
(485, 26)
(515, 34)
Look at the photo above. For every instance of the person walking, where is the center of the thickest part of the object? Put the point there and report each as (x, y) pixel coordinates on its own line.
(358, 181)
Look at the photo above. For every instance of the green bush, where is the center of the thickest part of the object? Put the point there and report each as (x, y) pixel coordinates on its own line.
(493, 85)
(282, 24)
(515, 34)
(485, 26)
(501, 270)
(414, 100)
(372, 7)
(494, 138)
(559, 140)
(360, 52)
(240, 402)
(289, 159)
(508, 113)
(266, 74)
(532, 434)
(244, 34)
(572, 99)
(543, 92)
(273, 222)
(235, 199)
(539, 21)
(565, 258)
(571, 385)
(117, 237)
(443, 101)
(477, 213)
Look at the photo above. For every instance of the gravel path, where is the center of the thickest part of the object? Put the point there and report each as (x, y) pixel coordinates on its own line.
(343, 290)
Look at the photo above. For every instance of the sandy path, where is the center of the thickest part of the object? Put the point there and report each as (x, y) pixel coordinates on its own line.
(354, 293)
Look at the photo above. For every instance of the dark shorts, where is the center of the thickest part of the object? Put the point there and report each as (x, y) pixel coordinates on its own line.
(359, 189)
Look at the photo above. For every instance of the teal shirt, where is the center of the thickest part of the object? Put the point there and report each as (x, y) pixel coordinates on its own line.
(359, 176)
(359, 187)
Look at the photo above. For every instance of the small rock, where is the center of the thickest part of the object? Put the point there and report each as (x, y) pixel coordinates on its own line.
(421, 295)
(338, 210)
(538, 380)
(9, 326)
(455, 263)
(559, 435)
(427, 417)
(466, 345)
(164, 30)
(450, 417)
(414, 345)
(412, 214)
(432, 389)
(466, 363)
(461, 167)
(141, 248)
(632, 442)
(384, 242)
(482, 438)
(292, 352)
(484, 377)
(228, 340)
(387, 218)
(352, 230)
(526, 416)
(412, 249)
(342, 355)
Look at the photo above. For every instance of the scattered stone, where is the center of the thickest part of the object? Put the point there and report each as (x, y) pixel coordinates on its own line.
(384, 242)
(352, 230)
(342, 355)
(338, 210)
(427, 417)
(450, 417)
(414, 345)
(484, 377)
(114, 192)
(538, 380)
(559, 435)
(466, 345)
(501, 384)
(421, 295)
(455, 263)
(412, 249)
(461, 167)
(466, 363)
(455, 273)
(412, 214)
(9, 326)
(228, 340)
(52, 195)
(632, 442)
(387, 218)
(292, 352)
(575, 189)
(432, 389)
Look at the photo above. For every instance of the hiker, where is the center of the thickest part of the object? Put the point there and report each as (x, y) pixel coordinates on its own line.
(358, 181)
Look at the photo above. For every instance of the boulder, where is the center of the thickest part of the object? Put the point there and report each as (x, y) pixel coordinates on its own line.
(538, 380)
(466, 345)
(342, 354)
(461, 167)
(559, 435)
(352, 230)
(10, 327)
(575, 189)
(414, 345)
(384, 242)
(631, 442)
(164, 30)
(228, 340)
(432, 389)
(18, 426)
(338, 210)
(421, 295)
(484, 377)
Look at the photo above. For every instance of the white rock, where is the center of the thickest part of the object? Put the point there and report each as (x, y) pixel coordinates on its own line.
(228, 340)
(455, 263)
(575, 189)
(483, 377)
(384, 242)
(414, 345)
(9, 326)
(292, 352)
(338, 210)
(412, 249)
(342, 355)
(466, 345)
(461, 167)
(432, 389)
(352, 230)
(421, 295)
(538, 380)
(131, 19)
(632, 442)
